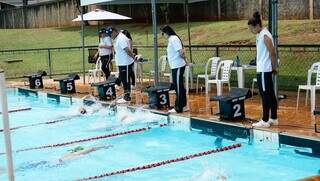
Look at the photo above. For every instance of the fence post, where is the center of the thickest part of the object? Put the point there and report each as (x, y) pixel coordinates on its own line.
(217, 51)
(311, 8)
(49, 63)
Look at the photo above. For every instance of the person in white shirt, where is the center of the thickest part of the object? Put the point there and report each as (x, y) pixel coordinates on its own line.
(105, 52)
(132, 74)
(266, 68)
(176, 58)
(124, 59)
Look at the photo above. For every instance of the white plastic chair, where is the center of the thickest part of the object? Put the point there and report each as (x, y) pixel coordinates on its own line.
(163, 66)
(309, 87)
(213, 62)
(225, 68)
(95, 73)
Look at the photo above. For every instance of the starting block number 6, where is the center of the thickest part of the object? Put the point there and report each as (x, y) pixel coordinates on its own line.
(37, 82)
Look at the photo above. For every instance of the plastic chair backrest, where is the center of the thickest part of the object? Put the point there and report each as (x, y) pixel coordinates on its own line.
(163, 63)
(314, 67)
(225, 67)
(98, 64)
(318, 76)
(214, 65)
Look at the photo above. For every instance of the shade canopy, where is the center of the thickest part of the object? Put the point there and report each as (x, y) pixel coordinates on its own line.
(88, 2)
(99, 14)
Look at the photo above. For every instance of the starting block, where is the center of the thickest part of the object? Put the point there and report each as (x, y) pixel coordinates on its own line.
(231, 105)
(106, 89)
(35, 80)
(67, 85)
(159, 95)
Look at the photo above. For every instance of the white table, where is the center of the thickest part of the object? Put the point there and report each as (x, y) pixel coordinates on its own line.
(241, 73)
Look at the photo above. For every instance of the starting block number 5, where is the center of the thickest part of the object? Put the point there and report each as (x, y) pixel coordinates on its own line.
(69, 86)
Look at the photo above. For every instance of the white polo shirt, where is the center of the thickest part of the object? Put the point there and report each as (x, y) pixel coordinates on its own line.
(121, 56)
(174, 58)
(106, 41)
(263, 55)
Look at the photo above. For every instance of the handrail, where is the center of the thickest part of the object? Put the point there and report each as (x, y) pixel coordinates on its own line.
(162, 46)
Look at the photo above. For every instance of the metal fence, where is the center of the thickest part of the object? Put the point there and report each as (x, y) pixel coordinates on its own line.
(295, 61)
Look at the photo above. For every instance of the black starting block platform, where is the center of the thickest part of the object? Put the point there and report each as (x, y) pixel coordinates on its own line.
(316, 112)
(106, 89)
(36, 80)
(159, 95)
(67, 84)
(231, 105)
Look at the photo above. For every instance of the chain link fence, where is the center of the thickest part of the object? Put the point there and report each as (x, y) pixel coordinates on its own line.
(295, 60)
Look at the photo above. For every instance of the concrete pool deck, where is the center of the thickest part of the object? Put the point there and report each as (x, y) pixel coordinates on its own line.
(291, 121)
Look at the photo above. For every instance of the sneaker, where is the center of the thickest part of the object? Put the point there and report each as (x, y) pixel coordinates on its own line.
(121, 101)
(273, 122)
(117, 87)
(133, 87)
(172, 111)
(261, 124)
(185, 109)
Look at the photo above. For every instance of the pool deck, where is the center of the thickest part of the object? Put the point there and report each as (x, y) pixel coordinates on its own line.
(291, 121)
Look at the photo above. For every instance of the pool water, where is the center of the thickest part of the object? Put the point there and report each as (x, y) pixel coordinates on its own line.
(254, 160)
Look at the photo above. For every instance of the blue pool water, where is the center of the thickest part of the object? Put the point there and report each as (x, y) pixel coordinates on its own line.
(253, 161)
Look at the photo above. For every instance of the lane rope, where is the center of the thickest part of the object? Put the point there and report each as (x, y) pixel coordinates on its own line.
(88, 139)
(162, 163)
(19, 110)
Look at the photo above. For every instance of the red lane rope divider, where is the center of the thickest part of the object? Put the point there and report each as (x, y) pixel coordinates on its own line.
(87, 139)
(161, 163)
(19, 110)
(37, 124)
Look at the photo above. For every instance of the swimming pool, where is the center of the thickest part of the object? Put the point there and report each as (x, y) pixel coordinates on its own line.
(148, 141)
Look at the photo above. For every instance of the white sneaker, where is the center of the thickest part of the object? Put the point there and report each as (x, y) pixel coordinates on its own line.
(117, 87)
(121, 101)
(261, 124)
(133, 87)
(172, 111)
(185, 109)
(273, 122)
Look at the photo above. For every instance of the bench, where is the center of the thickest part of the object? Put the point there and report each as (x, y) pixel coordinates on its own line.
(13, 61)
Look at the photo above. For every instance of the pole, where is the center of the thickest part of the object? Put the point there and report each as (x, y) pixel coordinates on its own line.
(189, 33)
(155, 42)
(275, 38)
(6, 127)
(49, 63)
(190, 48)
(270, 15)
(82, 44)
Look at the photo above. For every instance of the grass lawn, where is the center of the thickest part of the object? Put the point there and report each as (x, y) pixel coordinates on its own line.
(294, 64)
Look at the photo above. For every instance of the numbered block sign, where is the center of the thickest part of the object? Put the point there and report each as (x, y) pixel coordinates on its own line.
(158, 97)
(106, 90)
(36, 80)
(67, 85)
(231, 105)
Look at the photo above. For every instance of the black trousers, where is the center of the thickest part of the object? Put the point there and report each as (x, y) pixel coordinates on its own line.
(269, 100)
(105, 62)
(132, 75)
(181, 97)
(124, 75)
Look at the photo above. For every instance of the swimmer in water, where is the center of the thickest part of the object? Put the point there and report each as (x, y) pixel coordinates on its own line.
(88, 101)
(78, 151)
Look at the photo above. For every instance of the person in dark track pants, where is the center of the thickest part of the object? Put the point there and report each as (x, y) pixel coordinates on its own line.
(177, 61)
(266, 68)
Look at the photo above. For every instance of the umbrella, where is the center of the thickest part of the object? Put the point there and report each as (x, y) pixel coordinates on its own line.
(99, 14)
